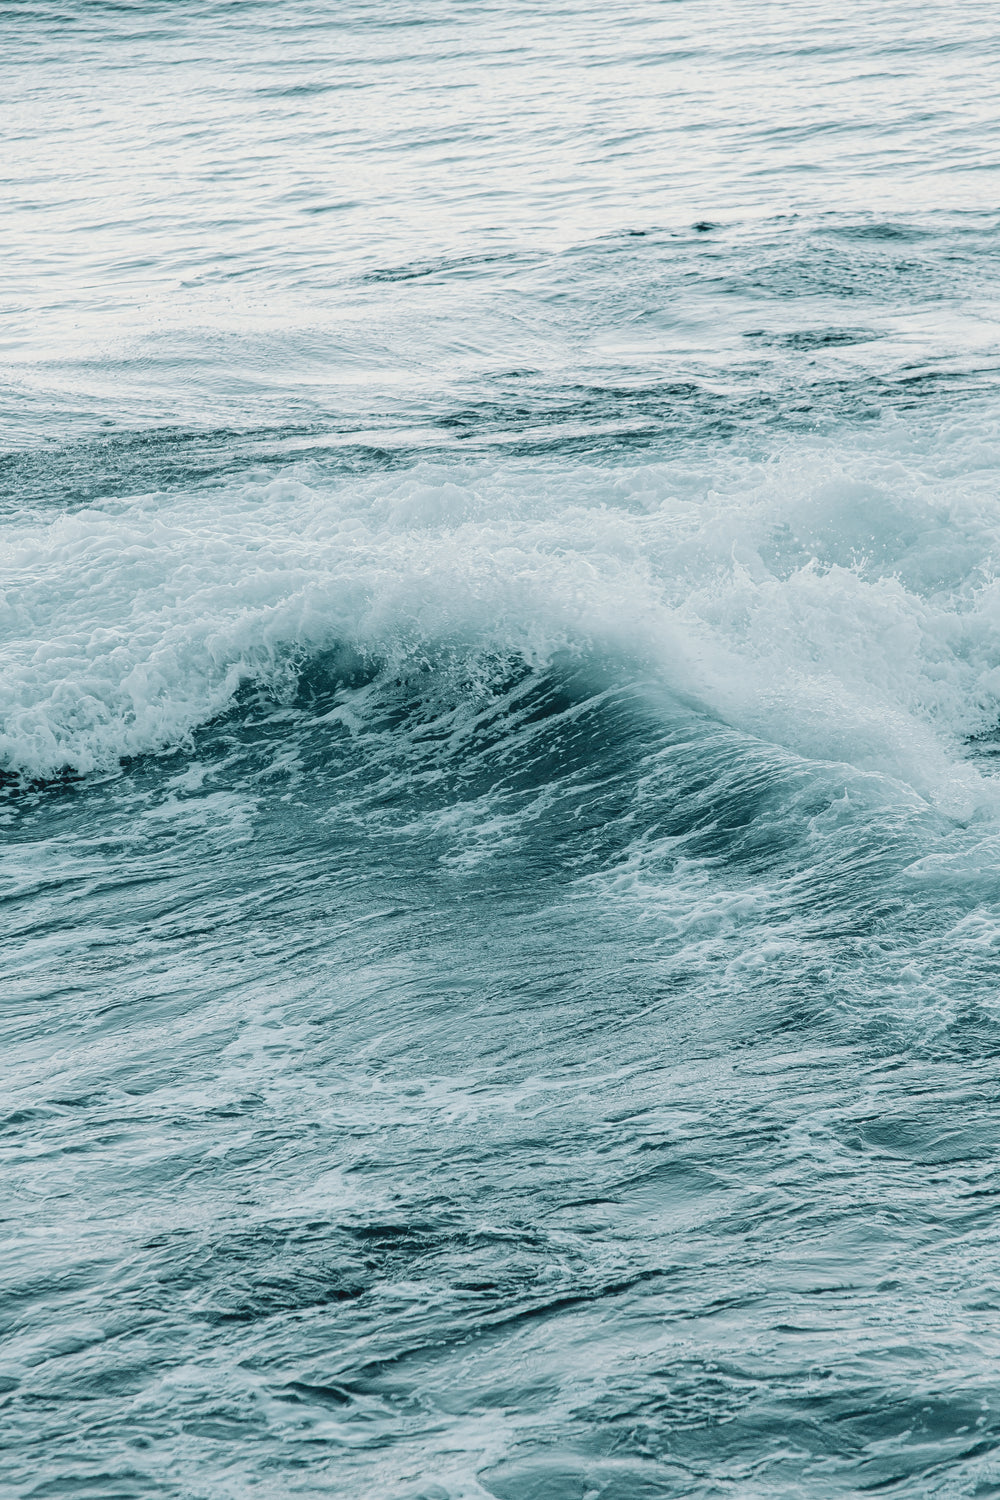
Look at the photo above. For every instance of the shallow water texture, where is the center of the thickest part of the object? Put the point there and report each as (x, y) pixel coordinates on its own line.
(499, 701)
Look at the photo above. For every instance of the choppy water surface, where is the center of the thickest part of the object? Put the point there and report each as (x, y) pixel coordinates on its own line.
(499, 688)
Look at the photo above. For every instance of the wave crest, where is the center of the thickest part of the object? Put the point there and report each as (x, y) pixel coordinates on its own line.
(838, 599)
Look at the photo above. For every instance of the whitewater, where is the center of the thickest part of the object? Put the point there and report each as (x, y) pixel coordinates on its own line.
(499, 750)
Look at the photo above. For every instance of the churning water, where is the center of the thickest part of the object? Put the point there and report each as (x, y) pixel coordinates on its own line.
(499, 687)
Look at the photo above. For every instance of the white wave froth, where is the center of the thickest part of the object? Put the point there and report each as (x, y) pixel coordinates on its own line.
(839, 599)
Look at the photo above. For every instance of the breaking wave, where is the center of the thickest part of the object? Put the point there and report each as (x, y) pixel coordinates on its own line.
(838, 598)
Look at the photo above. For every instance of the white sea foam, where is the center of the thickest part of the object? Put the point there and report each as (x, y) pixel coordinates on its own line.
(838, 599)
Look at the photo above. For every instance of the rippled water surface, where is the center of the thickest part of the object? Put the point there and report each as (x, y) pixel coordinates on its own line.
(499, 702)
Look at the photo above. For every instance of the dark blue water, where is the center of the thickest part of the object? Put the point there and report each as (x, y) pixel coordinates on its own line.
(499, 702)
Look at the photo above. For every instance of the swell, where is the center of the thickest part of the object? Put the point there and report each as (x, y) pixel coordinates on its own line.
(510, 416)
(669, 333)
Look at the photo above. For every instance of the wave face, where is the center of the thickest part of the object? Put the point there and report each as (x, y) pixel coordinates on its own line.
(499, 707)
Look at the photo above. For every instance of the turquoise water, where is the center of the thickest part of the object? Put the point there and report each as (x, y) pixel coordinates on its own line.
(499, 702)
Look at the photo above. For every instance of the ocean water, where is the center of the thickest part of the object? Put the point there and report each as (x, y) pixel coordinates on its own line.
(500, 791)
